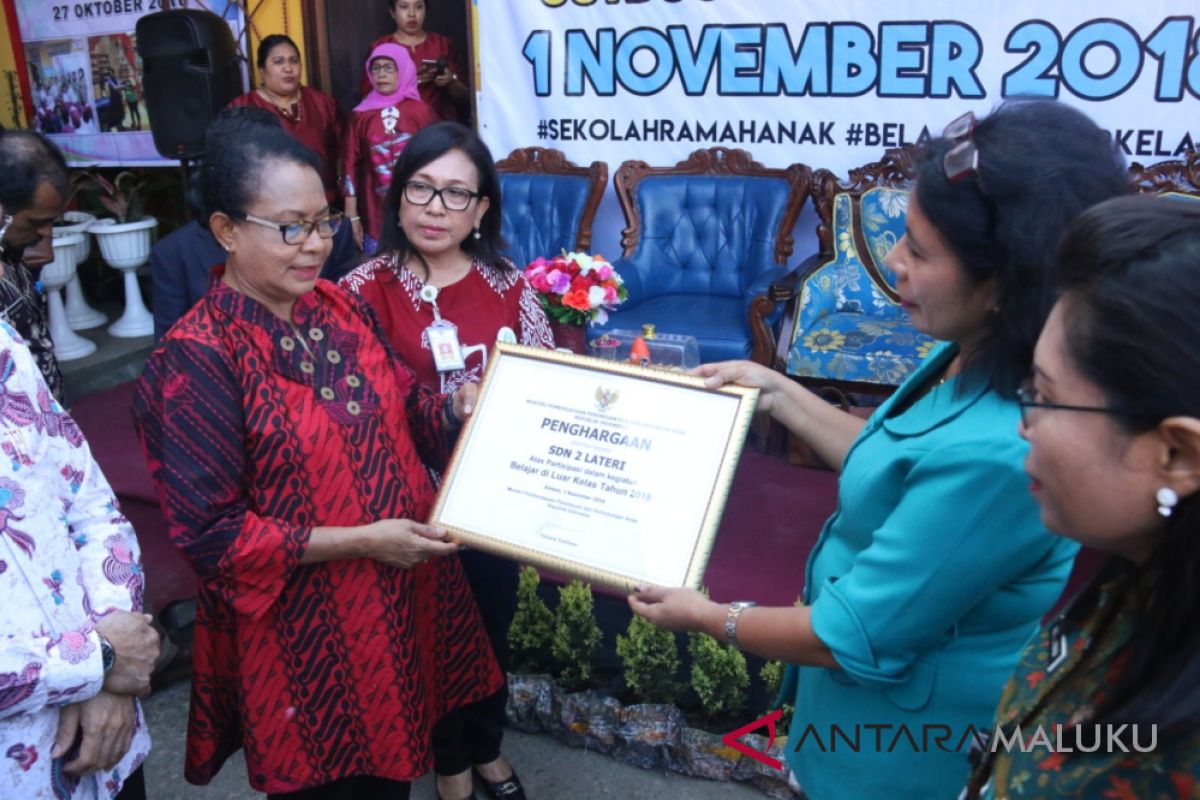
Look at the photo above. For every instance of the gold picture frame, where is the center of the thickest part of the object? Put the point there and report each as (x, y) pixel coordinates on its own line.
(614, 473)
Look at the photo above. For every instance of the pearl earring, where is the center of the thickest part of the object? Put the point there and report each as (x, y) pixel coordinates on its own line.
(478, 235)
(1167, 500)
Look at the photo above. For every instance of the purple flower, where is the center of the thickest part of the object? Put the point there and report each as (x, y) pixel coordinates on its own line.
(560, 282)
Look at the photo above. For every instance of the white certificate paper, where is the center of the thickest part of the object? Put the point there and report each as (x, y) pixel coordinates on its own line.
(609, 472)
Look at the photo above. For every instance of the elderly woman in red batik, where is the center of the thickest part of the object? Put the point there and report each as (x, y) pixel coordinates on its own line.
(382, 125)
(439, 70)
(291, 449)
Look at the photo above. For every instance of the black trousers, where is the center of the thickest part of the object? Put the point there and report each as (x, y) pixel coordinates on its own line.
(134, 787)
(472, 734)
(358, 787)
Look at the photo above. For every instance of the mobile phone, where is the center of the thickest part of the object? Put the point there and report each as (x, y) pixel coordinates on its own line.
(438, 64)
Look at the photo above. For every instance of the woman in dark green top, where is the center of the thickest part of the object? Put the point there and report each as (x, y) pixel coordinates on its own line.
(1112, 415)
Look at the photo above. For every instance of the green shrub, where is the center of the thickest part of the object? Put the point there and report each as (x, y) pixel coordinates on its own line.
(531, 634)
(772, 677)
(719, 676)
(576, 635)
(651, 660)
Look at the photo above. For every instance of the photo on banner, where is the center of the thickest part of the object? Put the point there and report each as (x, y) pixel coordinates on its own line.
(86, 79)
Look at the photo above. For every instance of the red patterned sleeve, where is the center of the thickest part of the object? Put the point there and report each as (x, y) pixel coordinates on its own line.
(189, 416)
(350, 157)
(434, 439)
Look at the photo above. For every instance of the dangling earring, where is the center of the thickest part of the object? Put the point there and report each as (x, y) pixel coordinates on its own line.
(1167, 500)
(477, 234)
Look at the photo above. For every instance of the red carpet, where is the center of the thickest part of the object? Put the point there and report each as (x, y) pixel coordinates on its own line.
(771, 522)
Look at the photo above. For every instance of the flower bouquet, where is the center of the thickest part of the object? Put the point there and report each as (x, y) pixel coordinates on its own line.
(575, 288)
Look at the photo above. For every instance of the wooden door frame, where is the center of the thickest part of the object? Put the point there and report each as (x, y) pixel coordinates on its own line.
(316, 45)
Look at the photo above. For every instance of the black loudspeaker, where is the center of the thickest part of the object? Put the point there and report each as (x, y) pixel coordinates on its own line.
(191, 70)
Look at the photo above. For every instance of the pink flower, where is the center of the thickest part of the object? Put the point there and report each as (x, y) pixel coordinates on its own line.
(605, 272)
(610, 295)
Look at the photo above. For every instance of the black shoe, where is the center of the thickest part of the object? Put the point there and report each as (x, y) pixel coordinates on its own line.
(508, 789)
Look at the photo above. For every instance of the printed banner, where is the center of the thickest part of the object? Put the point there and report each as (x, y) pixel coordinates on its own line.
(85, 76)
(829, 84)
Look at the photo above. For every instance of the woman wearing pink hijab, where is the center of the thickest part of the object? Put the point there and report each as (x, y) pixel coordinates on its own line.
(381, 126)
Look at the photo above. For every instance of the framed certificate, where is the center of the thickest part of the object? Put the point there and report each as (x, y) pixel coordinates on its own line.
(609, 472)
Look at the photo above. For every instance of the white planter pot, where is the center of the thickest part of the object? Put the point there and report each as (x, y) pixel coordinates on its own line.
(80, 316)
(54, 276)
(126, 247)
(80, 222)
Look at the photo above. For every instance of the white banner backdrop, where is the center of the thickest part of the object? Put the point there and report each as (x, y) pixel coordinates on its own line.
(824, 82)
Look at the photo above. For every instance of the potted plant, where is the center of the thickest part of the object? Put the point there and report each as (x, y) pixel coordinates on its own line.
(124, 243)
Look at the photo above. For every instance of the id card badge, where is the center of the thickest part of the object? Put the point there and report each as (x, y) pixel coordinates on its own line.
(443, 341)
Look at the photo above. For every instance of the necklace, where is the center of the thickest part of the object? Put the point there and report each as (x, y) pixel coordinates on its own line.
(288, 109)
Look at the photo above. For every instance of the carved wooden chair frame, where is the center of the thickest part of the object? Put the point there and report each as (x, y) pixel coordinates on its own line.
(548, 161)
(713, 161)
(1181, 176)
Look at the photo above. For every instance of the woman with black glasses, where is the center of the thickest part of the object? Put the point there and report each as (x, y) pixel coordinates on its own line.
(1112, 417)
(935, 569)
(291, 451)
(444, 295)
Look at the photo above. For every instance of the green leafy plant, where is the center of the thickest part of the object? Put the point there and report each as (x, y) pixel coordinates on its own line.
(651, 661)
(772, 674)
(121, 196)
(531, 634)
(576, 635)
(719, 676)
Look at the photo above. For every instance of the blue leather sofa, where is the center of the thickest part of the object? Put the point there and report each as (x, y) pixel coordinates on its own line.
(703, 239)
(548, 203)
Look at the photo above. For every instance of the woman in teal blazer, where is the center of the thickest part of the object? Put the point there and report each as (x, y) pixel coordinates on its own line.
(935, 568)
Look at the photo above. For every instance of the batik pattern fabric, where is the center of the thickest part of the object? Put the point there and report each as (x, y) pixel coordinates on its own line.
(1049, 703)
(257, 430)
(67, 558)
(847, 327)
(23, 306)
(373, 142)
(486, 300)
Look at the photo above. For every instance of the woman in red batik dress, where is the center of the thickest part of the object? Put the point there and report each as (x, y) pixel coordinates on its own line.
(289, 447)
(308, 114)
(440, 269)
(382, 125)
(438, 66)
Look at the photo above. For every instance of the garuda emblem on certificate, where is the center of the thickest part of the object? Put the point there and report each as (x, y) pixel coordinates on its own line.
(605, 398)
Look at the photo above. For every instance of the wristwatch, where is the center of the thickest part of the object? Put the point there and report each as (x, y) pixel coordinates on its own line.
(107, 654)
(731, 619)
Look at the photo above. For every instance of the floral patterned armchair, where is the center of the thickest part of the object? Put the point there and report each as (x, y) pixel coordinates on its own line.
(844, 326)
